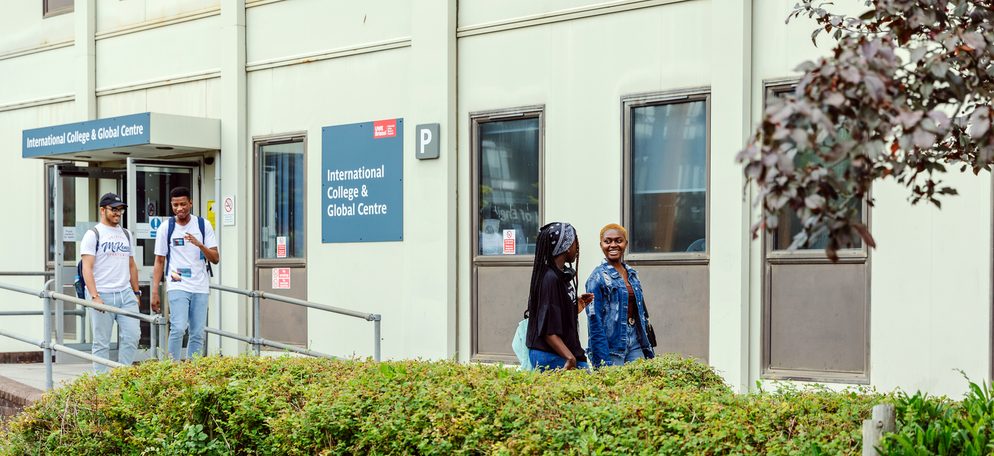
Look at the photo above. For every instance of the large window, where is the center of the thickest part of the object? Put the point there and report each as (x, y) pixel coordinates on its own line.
(281, 200)
(56, 7)
(508, 167)
(667, 170)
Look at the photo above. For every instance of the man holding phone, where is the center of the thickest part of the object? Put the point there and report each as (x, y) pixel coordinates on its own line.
(184, 247)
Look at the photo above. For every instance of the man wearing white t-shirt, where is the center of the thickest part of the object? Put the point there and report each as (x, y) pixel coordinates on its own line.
(111, 278)
(182, 246)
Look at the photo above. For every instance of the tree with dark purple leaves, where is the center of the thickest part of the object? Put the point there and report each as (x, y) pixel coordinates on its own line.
(905, 93)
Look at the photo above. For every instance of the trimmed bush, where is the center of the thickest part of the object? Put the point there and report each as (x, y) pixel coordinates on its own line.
(295, 406)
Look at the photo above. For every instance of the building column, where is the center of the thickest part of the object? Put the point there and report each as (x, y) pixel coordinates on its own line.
(235, 164)
(729, 337)
(429, 319)
(85, 49)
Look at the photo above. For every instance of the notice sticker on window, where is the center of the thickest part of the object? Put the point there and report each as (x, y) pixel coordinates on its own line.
(280, 246)
(509, 237)
(384, 128)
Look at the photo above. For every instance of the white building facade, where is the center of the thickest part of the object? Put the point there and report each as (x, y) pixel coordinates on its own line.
(315, 121)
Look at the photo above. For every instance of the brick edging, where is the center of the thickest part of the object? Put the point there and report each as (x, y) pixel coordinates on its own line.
(18, 393)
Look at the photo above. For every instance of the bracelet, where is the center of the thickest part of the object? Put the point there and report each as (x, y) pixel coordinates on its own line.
(137, 292)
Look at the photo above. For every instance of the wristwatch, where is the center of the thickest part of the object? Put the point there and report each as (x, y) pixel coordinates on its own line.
(138, 292)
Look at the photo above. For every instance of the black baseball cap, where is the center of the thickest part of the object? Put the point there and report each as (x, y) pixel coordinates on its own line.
(112, 200)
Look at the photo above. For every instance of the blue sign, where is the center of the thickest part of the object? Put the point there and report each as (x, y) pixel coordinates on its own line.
(154, 223)
(362, 182)
(97, 134)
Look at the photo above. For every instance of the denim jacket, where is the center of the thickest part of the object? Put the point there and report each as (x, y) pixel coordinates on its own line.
(607, 316)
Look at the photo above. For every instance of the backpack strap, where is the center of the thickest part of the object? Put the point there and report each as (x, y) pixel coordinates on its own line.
(170, 227)
(203, 238)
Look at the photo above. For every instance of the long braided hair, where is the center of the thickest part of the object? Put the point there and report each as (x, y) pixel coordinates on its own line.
(544, 260)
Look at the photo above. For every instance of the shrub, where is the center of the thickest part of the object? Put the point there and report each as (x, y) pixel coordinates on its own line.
(295, 406)
(928, 425)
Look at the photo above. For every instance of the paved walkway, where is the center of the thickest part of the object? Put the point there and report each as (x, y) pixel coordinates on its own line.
(33, 375)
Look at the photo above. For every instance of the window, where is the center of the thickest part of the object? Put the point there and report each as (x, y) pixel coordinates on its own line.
(56, 7)
(790, 224)
(667, 174)
(68, 215)
(281, 200)
(815, 317)
(508, 168)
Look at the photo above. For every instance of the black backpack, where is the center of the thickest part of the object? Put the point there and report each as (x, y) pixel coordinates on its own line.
(79, 284)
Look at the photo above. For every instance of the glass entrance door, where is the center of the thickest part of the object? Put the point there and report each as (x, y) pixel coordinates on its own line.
(149, 185)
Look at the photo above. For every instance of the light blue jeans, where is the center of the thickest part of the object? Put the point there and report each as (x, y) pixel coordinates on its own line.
(543, 361)
(186, 311)
(103, 326)
(633, 350)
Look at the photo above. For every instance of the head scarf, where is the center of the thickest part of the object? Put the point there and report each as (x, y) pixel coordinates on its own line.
(563, 235)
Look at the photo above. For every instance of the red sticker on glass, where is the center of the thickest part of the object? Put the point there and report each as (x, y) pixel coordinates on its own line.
(385, 128)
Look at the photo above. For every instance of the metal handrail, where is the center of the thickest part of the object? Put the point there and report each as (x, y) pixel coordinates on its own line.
(46, 343)
(27, 273)
(257, 341)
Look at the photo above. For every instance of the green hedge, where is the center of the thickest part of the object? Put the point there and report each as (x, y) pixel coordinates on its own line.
(296, 406)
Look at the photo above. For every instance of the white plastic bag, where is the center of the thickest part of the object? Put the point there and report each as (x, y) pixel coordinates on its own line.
(520, 346)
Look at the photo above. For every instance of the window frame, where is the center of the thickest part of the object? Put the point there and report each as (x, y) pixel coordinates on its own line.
(477, 118)
(628, 105)
(772, 88)
(770, 257)
(257, 144)
(47, 12)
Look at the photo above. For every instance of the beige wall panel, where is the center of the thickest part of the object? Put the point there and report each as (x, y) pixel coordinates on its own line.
(931, 288)
(361, 276)
(123, 103)
(564, 66)
(37, 76)
(116, 14)
(25, 28)
(677, 300)
(300, 27)
(475, 12)
(27, 253)
(159, 54)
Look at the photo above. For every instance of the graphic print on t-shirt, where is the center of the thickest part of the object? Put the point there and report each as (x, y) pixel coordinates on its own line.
(112, 258)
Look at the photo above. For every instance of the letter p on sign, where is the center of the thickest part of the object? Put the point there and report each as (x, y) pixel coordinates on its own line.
(427, 141)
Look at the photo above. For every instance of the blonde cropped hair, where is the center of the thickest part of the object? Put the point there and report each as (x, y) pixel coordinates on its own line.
(613, 226)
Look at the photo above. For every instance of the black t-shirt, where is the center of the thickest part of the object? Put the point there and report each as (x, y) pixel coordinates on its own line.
(553, 312)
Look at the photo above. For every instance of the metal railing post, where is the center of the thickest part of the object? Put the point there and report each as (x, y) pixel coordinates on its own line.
(153, 338)
(46, 306)
(255, 323)
(376, 336)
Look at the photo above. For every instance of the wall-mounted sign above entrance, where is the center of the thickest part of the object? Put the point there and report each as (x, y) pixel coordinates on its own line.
(362, 182)
(143, 135)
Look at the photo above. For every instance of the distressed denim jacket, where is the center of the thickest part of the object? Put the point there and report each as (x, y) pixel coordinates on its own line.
(607, 316)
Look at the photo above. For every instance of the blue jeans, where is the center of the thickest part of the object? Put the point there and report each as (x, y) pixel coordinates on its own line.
(633, 350)
(103, 326)
(543, 361)
(186, 311)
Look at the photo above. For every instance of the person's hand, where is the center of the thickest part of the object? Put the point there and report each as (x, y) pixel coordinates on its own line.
(570, 363)
(98, 300)
(583, 301)
(154, 301)
(192, 239)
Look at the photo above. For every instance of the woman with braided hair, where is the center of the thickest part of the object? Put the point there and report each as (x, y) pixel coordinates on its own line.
(553, 340)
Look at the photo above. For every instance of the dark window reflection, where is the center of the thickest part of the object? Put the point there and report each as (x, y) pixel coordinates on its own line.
(669, 178)
(281, 199)
(68, 215)
(508, 185)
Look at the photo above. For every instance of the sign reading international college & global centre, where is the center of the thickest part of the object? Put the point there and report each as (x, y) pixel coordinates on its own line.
(362, 182)
(98, 134)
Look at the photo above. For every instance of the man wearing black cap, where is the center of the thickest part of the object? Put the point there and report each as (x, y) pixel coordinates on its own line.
(111, 278)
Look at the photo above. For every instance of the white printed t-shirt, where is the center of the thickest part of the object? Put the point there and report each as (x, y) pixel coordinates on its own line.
(112, 258)
(184, 261)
